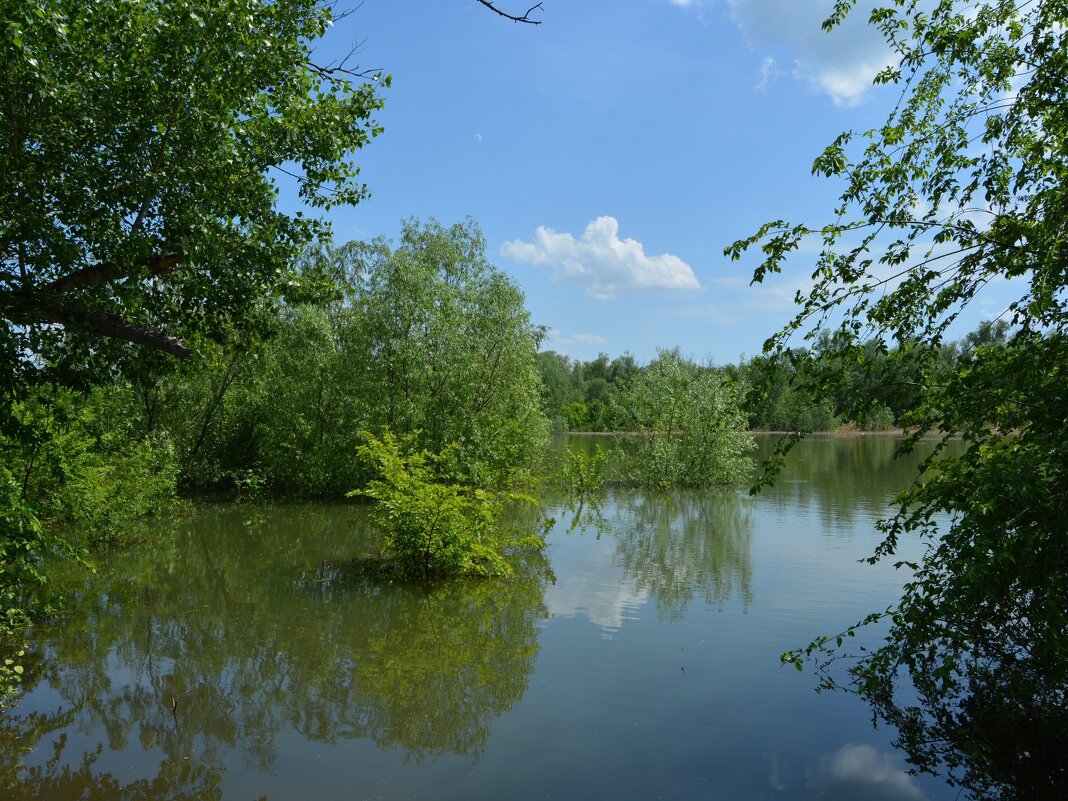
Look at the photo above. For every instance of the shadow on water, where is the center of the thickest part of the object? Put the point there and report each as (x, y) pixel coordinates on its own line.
(216, 639)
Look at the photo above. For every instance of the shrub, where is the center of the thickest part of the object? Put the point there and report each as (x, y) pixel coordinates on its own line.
(583, 473)
(435, 527)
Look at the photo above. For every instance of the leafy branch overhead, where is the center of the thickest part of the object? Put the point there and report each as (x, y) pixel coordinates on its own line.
(144, 146)
(962, 187)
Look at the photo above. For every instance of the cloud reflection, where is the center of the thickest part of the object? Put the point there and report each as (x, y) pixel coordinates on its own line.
(860, 771)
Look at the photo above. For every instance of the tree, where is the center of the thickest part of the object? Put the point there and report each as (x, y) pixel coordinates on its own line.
(963, 185)
(143, 148)
(688, 426)
(438, 342)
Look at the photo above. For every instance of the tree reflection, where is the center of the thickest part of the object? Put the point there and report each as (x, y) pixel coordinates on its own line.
(683, 545)
(216, 640)
(1002, 735)
(675, 546)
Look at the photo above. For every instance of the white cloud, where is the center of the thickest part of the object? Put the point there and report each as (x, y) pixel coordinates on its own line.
(604, 263)
(554, 339)
(589, 339)
(859, 771)
(840, 63)
(769, 68)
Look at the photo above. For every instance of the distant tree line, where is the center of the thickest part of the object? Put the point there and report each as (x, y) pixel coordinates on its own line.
(780, 391)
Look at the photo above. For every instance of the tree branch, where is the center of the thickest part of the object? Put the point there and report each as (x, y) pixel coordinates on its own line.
(525, 18)
(105, 326)
(104, 272)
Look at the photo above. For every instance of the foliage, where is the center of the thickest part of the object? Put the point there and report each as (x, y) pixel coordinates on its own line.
(584, 396)
(689, 427)
(426, 336)
(79, 460)
(964, 185)
(139, 179)
(583, 473)
(433, 526)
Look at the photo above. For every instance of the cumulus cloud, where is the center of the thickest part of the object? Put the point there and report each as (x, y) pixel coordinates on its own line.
(600, 260)
(841, 62)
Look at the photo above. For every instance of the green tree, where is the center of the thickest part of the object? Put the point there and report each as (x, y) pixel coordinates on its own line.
(688, 426)
(426, 339)
(962, 186)
(144, 146)
(438, 342)
(556, 392)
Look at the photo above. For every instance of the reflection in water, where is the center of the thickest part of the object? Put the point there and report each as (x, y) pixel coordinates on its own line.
(859, 771)
(841, 479)
(673, 547)
(294, 681)
(214, 640)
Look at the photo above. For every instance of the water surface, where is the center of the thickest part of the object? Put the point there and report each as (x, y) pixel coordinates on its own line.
(638, 659)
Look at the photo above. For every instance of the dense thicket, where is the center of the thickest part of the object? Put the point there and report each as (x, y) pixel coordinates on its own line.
(423, 338)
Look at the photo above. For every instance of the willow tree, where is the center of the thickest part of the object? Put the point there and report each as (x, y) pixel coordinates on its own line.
(438, 342)
(144, 145)
(963, 186)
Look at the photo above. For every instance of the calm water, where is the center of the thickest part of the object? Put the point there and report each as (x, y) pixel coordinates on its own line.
(638, 660)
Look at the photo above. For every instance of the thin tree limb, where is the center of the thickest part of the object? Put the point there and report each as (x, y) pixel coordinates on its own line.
(525, 18)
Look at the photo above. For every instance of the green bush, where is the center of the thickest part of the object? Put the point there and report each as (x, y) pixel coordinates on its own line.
(583, 473)
(79, 461)
(689, 426)
(433, 526)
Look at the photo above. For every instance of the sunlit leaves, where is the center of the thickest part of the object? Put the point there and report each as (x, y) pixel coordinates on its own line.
(139, 130)
(962, 187)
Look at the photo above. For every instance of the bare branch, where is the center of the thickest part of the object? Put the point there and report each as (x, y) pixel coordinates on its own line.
(525, 18)
(341, 74)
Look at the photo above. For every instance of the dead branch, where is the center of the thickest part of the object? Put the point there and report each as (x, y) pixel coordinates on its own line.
(525, 18)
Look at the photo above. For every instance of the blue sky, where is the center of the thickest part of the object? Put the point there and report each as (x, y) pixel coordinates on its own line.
(610, 153)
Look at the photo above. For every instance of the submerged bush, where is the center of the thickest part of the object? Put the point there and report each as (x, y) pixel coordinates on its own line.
(689, 424)
(435, 527)
(583, 473)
